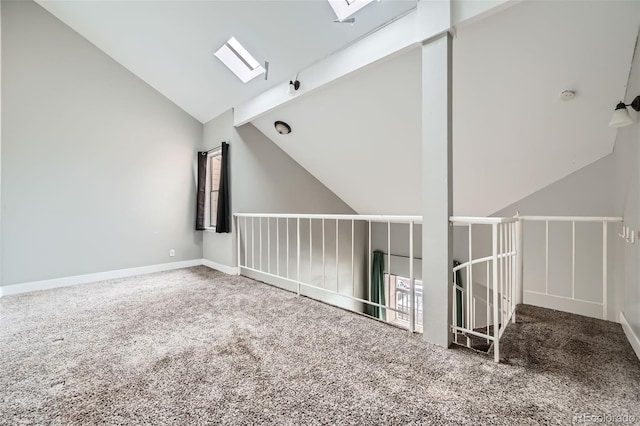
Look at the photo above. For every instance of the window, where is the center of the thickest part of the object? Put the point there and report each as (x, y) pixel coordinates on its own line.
(212, 188)
(346, 8)
(399, 297)
(239, 61)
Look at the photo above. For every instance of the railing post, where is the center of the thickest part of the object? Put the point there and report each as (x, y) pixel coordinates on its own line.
(496, 317)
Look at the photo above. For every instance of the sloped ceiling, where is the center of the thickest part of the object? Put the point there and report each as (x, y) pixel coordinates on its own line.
(170, 44)
(360, 136)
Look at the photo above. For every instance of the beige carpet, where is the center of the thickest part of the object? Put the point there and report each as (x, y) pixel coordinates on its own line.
(195, 346)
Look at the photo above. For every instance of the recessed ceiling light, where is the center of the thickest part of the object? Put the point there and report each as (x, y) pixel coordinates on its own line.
(239, 61)
(282, 127)
(346, 8)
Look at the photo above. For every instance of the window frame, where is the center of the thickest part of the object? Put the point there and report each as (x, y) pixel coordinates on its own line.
(391, 291)
(208, 190)
(345, 8)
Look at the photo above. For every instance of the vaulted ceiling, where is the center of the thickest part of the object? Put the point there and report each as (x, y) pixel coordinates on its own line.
(360, 135)
(170, 44)
(512, 133)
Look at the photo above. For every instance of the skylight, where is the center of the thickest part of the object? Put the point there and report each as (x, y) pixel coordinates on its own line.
(239, 61)
(346, 8)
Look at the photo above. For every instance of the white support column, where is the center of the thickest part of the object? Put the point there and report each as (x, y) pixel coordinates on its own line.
(437, 200)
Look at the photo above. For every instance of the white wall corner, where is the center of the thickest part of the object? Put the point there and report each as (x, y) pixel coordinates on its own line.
(229, 270)
(634, 339)
(96, 277)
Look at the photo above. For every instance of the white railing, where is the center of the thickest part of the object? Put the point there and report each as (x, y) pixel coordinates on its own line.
(571, 301)
(501, 285)
(324, 257)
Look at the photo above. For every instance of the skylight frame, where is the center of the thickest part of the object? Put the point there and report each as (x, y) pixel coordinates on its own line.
(239, 60)
(346, 8)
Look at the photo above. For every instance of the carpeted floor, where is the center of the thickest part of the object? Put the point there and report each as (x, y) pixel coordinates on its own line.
(195, 346)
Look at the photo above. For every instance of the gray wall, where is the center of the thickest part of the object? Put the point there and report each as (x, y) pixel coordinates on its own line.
(97, 167)
(627, 201)
(264, 179)
(587, 192)
(219, 248)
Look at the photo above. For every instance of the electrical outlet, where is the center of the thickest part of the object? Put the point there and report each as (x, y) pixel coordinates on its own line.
(172, 253)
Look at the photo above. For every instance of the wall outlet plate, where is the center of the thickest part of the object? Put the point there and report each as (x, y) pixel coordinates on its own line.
(172, 253)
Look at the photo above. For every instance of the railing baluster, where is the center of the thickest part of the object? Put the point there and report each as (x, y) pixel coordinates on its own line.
(389, 247)
(269, 245)
(470, 272)
(288, 248)
(310, 251)
(454, 311)
(260, 239)
(546, 257)
(278, 246)
(605, 244)
(323, 252)
(353, 259)
(412, 304)
(337, 258)
(488, 282)
(238, 243)
(253, 243)
(496, 332)
(369, 266)
(468, 324)
(573, 259)
(298, 249)
(246, 258)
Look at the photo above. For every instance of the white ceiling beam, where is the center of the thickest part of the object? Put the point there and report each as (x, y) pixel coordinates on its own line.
(391, 39)
(397, 37)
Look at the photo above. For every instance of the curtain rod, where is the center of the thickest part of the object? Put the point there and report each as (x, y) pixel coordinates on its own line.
(214, 149)
(401, 255)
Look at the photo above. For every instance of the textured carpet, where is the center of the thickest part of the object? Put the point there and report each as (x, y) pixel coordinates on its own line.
(195, 346)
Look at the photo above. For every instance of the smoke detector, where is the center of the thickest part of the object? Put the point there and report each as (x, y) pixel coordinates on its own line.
(567, 95)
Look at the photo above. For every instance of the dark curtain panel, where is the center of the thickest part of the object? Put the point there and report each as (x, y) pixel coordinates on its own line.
(223, 219)
(377, 285)
(458, 280)
(201, 195)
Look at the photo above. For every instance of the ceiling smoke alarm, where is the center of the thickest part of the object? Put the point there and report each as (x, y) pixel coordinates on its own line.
(567, 95)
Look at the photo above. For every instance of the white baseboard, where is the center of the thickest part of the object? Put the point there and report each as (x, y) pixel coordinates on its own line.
(91, 278)
(111, 275)
(220, 267)
(633, 337)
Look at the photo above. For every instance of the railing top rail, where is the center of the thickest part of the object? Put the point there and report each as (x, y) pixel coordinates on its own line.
(465, 220)
(372, 218)
(571, 218)
(483, 259)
